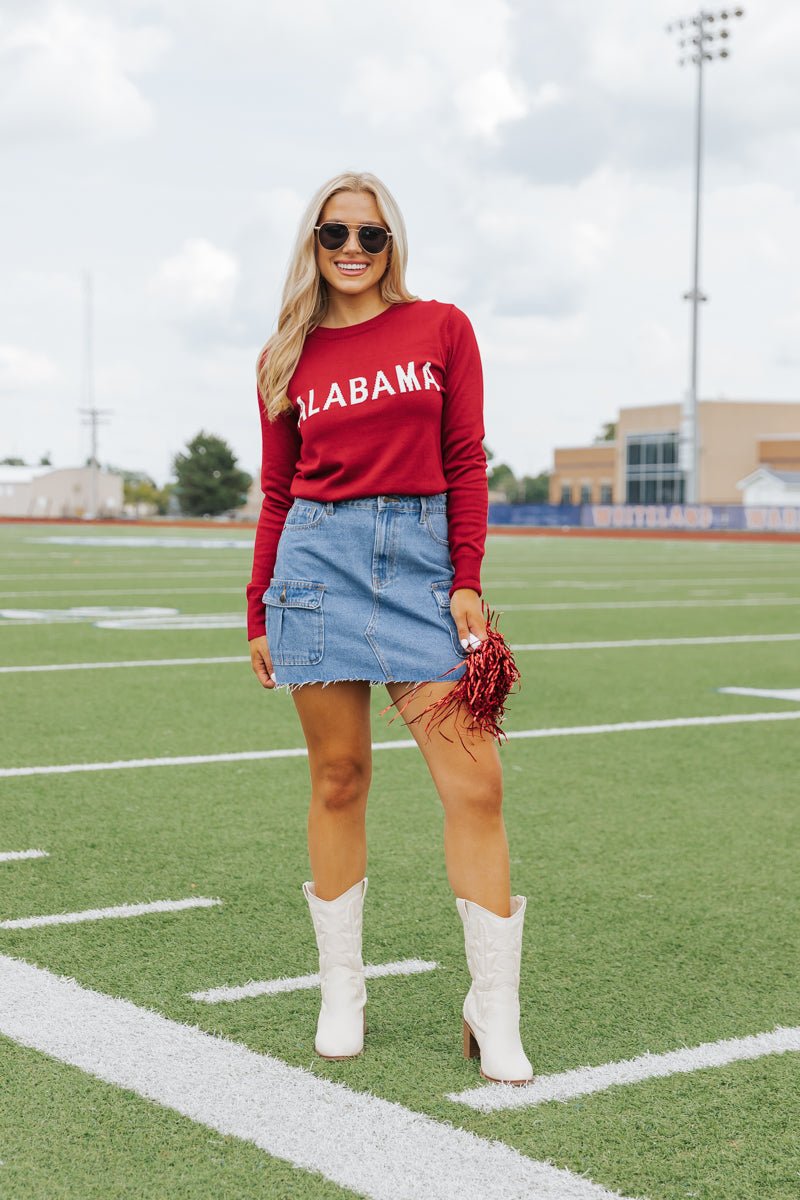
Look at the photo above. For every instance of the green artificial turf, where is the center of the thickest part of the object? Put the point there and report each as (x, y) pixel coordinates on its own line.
(660, 867)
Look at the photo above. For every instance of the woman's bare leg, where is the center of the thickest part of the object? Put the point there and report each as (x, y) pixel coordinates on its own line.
(336, 723)
(475, 842)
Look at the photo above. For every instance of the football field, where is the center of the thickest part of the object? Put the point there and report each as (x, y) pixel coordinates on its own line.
(158, 996)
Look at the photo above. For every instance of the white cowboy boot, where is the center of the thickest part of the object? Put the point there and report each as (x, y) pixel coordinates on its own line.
(342, 1019)
(491, 1007)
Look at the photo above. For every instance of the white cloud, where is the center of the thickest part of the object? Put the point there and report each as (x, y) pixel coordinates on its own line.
(200, 279)
(22, 369)
(66, 71)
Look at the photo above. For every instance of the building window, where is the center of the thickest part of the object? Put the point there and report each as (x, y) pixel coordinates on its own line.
(586, 493)
(606, 493)
(566, 493)
(652, 474)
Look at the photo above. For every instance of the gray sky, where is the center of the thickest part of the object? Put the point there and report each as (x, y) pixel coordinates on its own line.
(541, 155)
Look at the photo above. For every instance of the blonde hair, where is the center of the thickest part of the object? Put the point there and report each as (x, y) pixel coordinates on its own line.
(304, 301)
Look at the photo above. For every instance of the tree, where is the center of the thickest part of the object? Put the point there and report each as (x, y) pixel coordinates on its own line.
(46, 460)
(139, 488)
(503, 479)
(608, 434)
(208, 480)
(12, 462)
(535, 489)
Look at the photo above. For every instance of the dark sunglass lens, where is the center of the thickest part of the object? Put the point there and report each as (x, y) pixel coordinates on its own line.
(332, 235)
(373, 238)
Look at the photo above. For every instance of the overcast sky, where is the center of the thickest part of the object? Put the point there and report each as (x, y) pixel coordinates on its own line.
(542, 155)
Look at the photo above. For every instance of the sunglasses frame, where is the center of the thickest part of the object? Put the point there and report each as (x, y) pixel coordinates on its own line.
(362, 225)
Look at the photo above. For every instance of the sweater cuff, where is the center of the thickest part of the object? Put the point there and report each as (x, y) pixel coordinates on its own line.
(256, 613)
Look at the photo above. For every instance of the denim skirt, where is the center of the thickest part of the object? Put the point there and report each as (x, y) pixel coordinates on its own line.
(360, 590)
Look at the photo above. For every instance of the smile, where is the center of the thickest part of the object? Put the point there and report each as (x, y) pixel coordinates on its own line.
(351, 268)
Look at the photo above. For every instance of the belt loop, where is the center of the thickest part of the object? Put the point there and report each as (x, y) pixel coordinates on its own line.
(423, 504)
(328, 507)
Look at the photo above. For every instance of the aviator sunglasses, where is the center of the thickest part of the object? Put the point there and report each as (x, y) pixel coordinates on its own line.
(334, 234)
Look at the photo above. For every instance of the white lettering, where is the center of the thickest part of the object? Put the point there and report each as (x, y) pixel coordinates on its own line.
(407, 380)
(385, 386)
(358, 390)
(334, 396)
(311, 409)
(302, 407)
(427, 375)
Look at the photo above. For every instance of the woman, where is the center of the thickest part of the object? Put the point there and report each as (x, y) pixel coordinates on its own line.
(367, 570)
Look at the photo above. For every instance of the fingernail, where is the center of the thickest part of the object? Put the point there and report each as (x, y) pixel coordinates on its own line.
(464, 643)
(476, 641)
(272, 677)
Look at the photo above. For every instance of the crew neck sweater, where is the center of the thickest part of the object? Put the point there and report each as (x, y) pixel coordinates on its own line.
(388, 406)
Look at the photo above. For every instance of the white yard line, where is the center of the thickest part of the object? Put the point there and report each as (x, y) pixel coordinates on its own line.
(792, 694)
(272, 987)
(517, 647)
(119, 910)
(13, 855)
(630, 643)
(396, 744)
(580, 605)
(566, 1085)
(149, 591)
(374, 1147)
(134, 662)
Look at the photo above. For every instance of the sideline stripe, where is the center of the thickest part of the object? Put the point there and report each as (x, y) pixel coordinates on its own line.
(372, 1146)
(581, 1082)
(13, 855)
(397, 744)
(119, 910)
(516, 647)
(171, 591)
(270, 987)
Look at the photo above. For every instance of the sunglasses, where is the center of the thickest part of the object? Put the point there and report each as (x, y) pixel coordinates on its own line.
(333, 235)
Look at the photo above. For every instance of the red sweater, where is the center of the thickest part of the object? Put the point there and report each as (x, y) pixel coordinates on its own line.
(390, 405)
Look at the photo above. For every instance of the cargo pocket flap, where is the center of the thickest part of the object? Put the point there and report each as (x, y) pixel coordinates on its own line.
(294, 593)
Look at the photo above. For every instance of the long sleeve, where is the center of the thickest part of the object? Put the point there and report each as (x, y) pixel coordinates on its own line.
(280, 442)
(463, 455)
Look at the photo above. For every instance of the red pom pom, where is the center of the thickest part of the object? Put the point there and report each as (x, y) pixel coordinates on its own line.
(489, 675)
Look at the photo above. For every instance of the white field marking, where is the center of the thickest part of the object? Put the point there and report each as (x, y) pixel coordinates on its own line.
(271, 987)
(119, 910)
(12, 855)
(744, 602)
(49, 616)
(619, 584)
(236, 620)
(516, 647)
(374, 1147)
(189, 760)
(148, 591)
(679, 641)
(113, 573)
(581, 1081)
(768, 693)
(168, 543)
(141, 662)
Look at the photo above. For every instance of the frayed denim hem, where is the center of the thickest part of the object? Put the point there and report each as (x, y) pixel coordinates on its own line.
(290, 687)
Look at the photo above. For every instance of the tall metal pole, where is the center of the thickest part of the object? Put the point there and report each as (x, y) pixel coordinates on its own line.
(94, 414)
(689, 442)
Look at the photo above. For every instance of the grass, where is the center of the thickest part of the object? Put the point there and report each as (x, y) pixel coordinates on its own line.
(660, 867)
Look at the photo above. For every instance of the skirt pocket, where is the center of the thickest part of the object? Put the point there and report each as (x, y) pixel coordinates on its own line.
(441, 594)
(295, 621)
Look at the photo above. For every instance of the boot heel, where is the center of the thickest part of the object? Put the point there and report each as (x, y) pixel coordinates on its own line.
(471, 1047)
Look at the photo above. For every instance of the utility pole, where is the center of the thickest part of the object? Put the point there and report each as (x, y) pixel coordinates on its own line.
(694, 49)
(94, 415)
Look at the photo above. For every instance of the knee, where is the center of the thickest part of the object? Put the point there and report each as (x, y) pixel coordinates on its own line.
(478, 796)
(341, 783)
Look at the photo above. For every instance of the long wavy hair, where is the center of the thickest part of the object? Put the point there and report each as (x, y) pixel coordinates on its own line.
(304, 301)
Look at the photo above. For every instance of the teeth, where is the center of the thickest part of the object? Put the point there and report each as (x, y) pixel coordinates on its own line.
(354, 268)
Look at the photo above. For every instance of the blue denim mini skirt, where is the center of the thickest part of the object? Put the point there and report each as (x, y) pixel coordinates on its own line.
(360, 590)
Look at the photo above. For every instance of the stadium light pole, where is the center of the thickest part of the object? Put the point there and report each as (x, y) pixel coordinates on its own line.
(94, 415)
(694, 48)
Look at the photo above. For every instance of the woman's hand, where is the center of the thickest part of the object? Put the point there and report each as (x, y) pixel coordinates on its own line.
(261, 661)
(465, 606)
